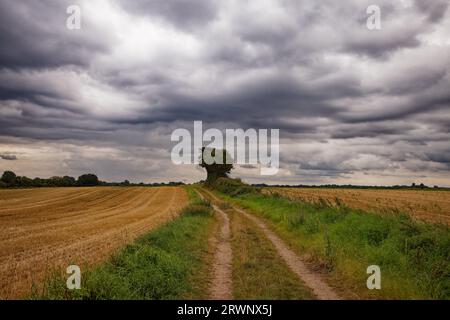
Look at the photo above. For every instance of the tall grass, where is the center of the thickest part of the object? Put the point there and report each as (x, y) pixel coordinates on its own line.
(414, 257)
(159, 265)
(232, 187)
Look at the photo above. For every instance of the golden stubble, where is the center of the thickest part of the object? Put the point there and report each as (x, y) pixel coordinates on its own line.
(44, 230)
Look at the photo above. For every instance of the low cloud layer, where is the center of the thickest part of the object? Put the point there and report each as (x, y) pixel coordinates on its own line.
(352, 105)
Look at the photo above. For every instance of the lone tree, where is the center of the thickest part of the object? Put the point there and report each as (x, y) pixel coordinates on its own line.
(88, 180)
(217, 165)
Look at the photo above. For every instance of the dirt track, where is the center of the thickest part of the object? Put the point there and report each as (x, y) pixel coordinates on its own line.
(221, 286)
(42, 230)
(312, 280)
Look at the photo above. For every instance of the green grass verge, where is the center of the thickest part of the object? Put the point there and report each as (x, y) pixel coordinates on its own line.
(160, 265)
(414, 257)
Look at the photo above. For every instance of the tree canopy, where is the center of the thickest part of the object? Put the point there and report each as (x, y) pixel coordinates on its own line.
(8, 178)
(88, 180)
(217, 162)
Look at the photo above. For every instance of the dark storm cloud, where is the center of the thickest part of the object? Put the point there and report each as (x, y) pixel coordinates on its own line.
(33, 34)
(435, 10)
(401, 35)
(368, 130)
(380, 47)
(280, 94)
(443, 158)
(181, 13)
(417, 104)
(324, 167)
(345, 99)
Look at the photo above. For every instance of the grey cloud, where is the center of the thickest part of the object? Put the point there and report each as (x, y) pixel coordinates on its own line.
(33, 34)
(434, 9)
(393, 35)
(381, 46)
(323, 167)
(180, 13)
(8, 156)
(311, 69)
(369, 130)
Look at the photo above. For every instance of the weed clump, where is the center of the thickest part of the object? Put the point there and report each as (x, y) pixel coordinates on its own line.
(203, 208)
(233, 187)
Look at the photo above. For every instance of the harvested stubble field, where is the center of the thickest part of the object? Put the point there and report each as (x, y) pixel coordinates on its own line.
(427, 205)
(45, 230)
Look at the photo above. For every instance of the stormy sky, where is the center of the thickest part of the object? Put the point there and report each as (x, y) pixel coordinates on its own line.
(353, 105)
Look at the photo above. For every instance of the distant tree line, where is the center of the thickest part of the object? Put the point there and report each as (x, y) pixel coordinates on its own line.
(126, 183)
(415, 186)
(10, 180)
